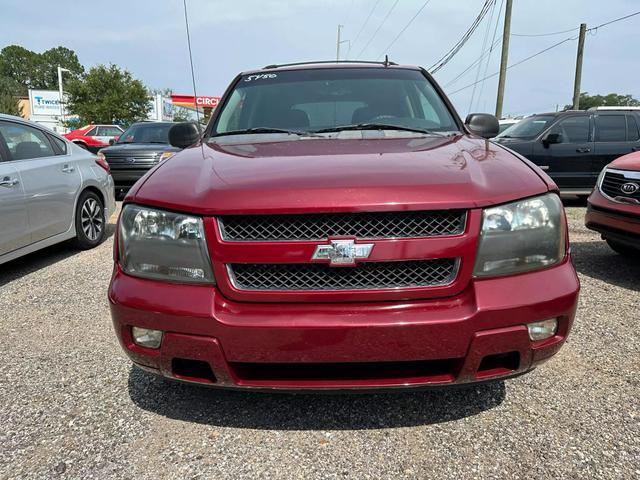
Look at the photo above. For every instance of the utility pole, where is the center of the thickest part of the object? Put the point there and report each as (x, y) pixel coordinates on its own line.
(506, 34)
(338, 43)
(578, 79)
(62, 114)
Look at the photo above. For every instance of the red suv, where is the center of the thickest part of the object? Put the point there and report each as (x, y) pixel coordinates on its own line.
(613, 208)
(337, 226)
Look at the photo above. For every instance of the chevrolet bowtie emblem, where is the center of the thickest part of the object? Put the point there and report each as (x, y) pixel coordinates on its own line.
(342, 252)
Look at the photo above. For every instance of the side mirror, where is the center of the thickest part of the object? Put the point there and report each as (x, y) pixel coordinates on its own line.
(183, 135)
(482, 124)
(552, 139)
(112, 141)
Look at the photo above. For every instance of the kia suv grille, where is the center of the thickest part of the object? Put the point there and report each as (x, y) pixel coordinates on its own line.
(361, 225)
(365, 276)
(612, 185)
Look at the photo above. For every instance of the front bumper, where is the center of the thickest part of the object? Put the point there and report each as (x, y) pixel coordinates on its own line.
(478, 335)
(125, 178)
(615, 221)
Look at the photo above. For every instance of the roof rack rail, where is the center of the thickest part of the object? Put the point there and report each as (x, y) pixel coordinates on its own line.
(280, 65)
(612, 107)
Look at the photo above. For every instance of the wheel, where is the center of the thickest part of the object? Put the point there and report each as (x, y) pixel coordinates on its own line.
(624, 250)
(90, 221)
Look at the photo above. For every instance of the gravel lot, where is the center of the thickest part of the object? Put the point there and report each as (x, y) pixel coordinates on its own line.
(71, 406)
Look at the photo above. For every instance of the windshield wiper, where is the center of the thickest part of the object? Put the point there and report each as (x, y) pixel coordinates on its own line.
(248, 131)
(376, 126)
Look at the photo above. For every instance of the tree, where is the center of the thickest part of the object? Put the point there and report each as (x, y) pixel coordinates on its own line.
(37, 70)
(108, 94)
(9, 91)
(612, 100)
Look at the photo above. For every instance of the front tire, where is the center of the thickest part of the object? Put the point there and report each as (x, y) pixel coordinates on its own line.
(622, 249)
(90, 221)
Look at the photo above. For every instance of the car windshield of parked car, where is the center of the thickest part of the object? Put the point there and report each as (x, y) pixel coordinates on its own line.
(317, 100)
(529, 128)
(146, 133)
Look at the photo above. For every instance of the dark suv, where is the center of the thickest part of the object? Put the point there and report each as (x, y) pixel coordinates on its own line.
(140, 147)
(574, 146)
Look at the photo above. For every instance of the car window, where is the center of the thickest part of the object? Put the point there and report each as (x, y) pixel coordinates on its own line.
(109, 131)
(529, 128)
(92, 133)
(633, 135)
(611, 128)
(59, 146)
(150, 132)
(573, 129)
(316, 99)
(25, 142)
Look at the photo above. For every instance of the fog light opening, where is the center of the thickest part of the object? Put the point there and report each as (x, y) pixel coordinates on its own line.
(542, 330)
(146, 337)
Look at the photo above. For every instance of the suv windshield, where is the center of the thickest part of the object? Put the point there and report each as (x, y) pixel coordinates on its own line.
(302, 101)
(146, 133)
(528, 128)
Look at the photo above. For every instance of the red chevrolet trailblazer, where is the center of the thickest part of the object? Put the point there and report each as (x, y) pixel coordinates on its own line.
(614, 206)
(337, 226)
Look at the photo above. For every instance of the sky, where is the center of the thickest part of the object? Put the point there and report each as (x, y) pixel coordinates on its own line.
(147, 37)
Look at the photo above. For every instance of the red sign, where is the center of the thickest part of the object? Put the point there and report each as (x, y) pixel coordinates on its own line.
(191, 101)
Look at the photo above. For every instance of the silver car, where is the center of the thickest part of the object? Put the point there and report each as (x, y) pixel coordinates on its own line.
(50, 190)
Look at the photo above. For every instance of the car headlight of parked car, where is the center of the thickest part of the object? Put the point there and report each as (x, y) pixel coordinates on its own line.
(521, 236)
(163, 245)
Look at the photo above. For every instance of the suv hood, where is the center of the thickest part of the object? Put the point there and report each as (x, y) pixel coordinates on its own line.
(309, 174)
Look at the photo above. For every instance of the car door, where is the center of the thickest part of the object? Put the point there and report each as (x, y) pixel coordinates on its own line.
(616, 134)
(610, 138)
(106, 133)
(568, 162)
(14, 228)
(49, 178)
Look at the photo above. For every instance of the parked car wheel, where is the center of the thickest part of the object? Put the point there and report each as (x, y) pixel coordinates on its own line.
(90, 221)
(624, 250)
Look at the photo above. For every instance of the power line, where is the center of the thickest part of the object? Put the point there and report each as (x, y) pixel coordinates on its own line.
(475, 62)
(446, 58)
(375, 5)
(484, 45)
(379, 27)
(386, 50)
(614, 21)
(543, 34)
(516, 64)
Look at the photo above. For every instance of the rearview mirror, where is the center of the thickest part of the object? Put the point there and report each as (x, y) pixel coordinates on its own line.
(482, 124)
(552, 139)
(183, 135)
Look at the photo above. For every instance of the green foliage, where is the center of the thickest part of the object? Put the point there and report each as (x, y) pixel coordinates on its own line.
(29, 69)
(108, 94)
(611, 100)
(9, 104)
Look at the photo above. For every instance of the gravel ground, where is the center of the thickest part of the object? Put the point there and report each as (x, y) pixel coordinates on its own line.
(71, 405)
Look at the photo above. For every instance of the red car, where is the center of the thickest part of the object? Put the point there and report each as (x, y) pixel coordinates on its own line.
(614, 206)
(337, 226)
(94, 137)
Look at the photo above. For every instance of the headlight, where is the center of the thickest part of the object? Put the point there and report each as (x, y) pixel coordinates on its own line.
(165, 155)
(163, 245)
(521, 236)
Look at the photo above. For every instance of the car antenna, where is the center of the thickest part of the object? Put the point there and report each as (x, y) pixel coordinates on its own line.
(386, 61)
(193, 75)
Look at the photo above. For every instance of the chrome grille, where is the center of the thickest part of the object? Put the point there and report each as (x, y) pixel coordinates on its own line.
(137, 157)
(365, 276)
(360, 225)
(613, 181)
